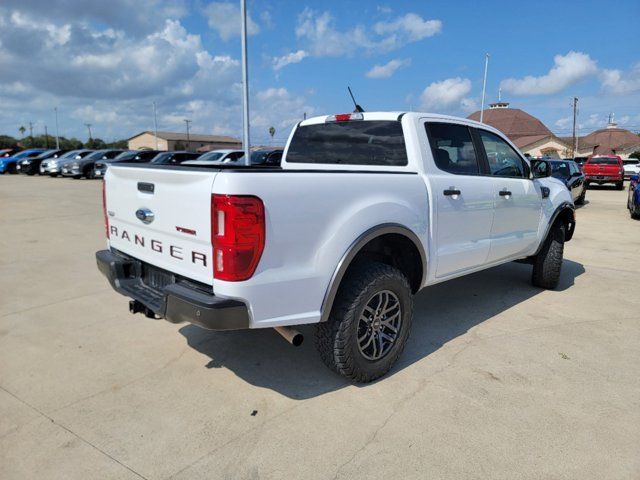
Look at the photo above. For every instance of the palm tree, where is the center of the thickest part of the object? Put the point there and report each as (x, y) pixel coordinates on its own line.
(22, 130)
(272, 132)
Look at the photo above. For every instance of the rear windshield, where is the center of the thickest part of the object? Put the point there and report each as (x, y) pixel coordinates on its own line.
(604, 161)
(376, 142)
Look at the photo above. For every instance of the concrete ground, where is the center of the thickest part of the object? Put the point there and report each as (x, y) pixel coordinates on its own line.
(500, 380)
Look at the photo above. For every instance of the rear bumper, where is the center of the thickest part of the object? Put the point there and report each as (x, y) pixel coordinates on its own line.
(177, 302)
(604, 178)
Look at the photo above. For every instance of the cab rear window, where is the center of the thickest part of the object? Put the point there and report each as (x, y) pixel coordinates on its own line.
(604, 161)
(373, 142)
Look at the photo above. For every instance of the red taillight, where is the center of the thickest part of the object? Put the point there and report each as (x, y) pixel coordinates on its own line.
(237, 236)
(104, 210)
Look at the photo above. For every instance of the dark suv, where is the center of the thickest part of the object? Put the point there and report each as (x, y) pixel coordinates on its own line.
(569, 173)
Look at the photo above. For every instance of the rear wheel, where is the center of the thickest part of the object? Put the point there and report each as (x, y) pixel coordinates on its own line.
(620, 185)
(548, 262)
(369, 323)
(12, 168)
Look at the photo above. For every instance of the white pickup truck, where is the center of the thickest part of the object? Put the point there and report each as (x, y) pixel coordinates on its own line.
(364, 211)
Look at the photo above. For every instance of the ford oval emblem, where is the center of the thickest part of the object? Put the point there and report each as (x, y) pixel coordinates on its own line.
(145, 215)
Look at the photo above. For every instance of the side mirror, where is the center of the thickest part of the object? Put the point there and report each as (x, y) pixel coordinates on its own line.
(540, 168)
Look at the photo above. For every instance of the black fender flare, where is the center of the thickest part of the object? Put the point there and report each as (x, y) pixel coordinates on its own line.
(354, 249)
(567, 207)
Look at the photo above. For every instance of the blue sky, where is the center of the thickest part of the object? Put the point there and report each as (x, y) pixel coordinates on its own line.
(106, 62)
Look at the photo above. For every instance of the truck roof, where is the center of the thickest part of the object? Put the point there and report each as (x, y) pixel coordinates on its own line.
(395, 115)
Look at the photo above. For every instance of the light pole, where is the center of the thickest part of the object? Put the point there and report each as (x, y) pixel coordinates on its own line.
(245, 85)
(188, 139)
(155, 124)
(57, 136)
(46, 137)
(88, 125)
(484, 84)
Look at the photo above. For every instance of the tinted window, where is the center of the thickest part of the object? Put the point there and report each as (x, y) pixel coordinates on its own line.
(503, 160)
(603, 161)
(561, 170)
(378, 142)
(452, 148)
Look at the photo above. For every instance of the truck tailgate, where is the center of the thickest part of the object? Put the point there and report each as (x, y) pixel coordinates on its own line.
(162, 217)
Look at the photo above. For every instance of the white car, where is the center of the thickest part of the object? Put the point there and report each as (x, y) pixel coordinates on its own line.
(365, 210)
(631, 167)
(216, 157)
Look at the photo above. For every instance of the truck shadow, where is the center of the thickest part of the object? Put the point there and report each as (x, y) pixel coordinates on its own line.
(442, 313)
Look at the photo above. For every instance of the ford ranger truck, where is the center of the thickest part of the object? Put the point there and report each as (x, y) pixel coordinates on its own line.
(364, 211)
(603, 169)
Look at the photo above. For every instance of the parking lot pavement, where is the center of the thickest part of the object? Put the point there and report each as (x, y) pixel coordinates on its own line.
(500, 380)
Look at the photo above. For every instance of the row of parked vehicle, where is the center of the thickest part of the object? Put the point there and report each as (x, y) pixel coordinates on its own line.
(94, 163)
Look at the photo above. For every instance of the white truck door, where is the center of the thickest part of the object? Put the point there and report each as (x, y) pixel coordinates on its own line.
(463, 199)
(518, 201)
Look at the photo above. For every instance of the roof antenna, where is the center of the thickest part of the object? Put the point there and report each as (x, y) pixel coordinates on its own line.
(358, 107)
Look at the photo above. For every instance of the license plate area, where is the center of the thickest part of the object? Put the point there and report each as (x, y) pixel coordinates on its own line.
(156, 278)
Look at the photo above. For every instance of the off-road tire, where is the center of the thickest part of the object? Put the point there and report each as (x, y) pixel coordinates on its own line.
(337, 338)
(547, 263)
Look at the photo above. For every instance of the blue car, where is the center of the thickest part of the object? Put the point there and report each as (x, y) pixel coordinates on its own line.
(8, 164)
(633, 202)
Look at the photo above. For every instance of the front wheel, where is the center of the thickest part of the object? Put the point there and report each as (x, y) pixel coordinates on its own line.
(548, 262)
(369, 323)
(619, 185)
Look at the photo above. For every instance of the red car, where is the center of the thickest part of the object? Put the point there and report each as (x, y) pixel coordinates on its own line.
(604, 169)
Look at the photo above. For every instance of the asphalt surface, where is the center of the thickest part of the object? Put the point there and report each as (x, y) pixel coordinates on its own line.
(500, 380)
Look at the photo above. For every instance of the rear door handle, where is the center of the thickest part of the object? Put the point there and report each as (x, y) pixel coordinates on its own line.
(505, 193)
(451, 191)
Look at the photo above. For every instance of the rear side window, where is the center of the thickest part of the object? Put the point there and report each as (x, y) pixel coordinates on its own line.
(452, 148)
(376, 142)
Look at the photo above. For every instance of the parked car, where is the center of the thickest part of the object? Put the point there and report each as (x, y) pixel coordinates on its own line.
(215, 157)
(53, 166)
(265, 157)
(83, 167)
(174, 158)
(7, 152)
(130, 156)
(9, 164)
(569, 173)
(631, 167)
(603, 169)
(365, 210)
(31, 166)
(633, 200)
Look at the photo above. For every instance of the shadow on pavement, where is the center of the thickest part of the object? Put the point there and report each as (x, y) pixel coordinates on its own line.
(442, 312)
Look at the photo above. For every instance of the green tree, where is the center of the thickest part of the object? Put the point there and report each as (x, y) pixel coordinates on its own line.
(635, 155)
(22, 130)
(8, 142)
(179, 146)
(95, 144)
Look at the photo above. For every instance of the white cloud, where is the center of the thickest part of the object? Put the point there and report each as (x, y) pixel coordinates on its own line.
(567, 70)
(324, 39)
(288, 59)
(388, 69)
(224, 17)
(449, 94)
(617, 83)
(410, 27)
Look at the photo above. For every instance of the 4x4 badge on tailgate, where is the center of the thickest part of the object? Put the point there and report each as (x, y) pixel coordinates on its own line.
(145, 215)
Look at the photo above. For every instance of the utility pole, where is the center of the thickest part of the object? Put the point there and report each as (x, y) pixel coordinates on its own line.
(57, 136)
(484, 84)
(245, 85)
(155, 124)
(575, 116)
(31, 129)
(46, 137)
(88, 125)
(188, 138)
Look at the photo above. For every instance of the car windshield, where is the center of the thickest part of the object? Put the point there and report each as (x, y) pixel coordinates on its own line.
(162, 157)
(631, 161)
(560, 170)
(126, 156)
(97, 154)
(71, 154)
(211, 156)
(604, 161)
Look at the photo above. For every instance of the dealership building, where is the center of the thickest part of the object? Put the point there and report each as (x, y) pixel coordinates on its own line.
(533, 138)
(178, 141)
